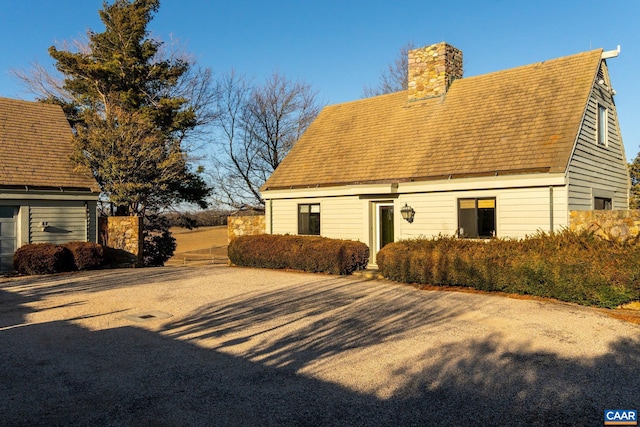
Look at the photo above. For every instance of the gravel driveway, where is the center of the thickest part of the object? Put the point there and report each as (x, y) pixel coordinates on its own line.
(231, 346)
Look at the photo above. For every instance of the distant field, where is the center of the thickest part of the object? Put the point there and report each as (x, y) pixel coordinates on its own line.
(201, 245)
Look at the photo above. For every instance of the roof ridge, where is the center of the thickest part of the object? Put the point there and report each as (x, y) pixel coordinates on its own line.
(532, 64)
(511, 119)
(535, 64)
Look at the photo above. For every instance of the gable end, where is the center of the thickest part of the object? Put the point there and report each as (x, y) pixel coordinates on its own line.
(598, 168)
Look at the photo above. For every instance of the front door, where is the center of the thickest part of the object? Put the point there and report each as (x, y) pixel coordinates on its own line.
(7, 237)
(385, 225)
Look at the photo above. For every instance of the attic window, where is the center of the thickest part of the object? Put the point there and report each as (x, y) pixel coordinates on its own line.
(601, 125)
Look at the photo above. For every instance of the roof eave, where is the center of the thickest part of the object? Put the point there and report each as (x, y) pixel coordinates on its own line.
(545, 169)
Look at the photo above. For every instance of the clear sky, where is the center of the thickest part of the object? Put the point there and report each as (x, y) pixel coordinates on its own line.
(338, 46)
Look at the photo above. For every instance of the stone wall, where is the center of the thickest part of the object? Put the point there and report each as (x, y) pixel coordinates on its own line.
(432, 69)
(123, 233)
(245, 226)
(612, 225)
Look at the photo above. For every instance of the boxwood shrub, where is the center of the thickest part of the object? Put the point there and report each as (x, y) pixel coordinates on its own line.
(48, 258)
(307, 253)
(42, 258)
(86, 255)
(568, 266)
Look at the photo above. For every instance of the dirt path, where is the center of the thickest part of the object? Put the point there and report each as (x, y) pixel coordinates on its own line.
(230, 346)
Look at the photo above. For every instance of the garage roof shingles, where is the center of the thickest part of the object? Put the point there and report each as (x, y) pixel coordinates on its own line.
(35, 147)
(520, 119)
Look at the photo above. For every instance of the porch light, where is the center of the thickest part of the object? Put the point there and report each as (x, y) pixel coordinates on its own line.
(407, 213)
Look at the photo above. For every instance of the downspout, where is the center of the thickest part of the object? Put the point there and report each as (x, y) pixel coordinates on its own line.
(551, 208)
(270, 216)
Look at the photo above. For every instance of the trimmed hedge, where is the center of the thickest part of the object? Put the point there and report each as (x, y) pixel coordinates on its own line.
(48, 258)
(42, 258)
(568, 266)
(307, 253)
(86, 255)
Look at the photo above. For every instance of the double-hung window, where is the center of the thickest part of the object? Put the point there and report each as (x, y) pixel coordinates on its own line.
(477, 218)
(601, 125)
(309, 219)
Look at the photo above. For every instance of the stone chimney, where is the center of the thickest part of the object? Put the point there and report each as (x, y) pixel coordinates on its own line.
(432, 69)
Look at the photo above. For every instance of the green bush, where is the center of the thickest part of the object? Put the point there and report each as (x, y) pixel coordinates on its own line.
(86, 255)
(580, 268)
(159, 245)
(42, 258)
(307, 253)
(116, 258)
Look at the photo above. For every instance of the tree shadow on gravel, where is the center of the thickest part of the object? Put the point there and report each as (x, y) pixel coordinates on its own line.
(488, 381)
(337, 315)
(517, 386)
(58, 373)
(99, 280)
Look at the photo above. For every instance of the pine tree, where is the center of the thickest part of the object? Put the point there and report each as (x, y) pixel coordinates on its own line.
(129, 114)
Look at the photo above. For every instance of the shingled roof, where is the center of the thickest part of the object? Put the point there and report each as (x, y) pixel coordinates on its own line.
(519, 120)
(35, 148)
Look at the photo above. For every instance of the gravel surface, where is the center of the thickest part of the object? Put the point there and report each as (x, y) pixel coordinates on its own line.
(231, 346)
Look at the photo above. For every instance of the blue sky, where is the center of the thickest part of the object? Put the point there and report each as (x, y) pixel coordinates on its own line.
(340, 46)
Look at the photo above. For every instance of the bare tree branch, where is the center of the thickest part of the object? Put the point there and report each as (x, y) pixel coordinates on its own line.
(257, 125)
(395, 78)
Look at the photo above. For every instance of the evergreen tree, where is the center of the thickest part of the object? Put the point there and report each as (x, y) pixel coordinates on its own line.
(131, 113)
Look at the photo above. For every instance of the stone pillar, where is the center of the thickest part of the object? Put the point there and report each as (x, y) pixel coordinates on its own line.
(245, 226)
(123, 233)
(432, 69)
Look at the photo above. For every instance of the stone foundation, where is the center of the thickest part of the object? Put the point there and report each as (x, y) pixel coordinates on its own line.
(611, 225)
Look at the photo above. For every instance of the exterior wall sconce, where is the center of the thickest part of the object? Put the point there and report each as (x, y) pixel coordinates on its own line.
(407, 213)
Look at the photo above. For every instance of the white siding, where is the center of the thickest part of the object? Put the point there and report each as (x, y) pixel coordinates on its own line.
(436, 213)
(519, 212)
(595, 169)
(340, 217)
(284, 216)
(522, 212)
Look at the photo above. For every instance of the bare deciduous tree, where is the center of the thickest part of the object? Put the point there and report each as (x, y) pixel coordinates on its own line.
(395, 77)
(258, 125)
